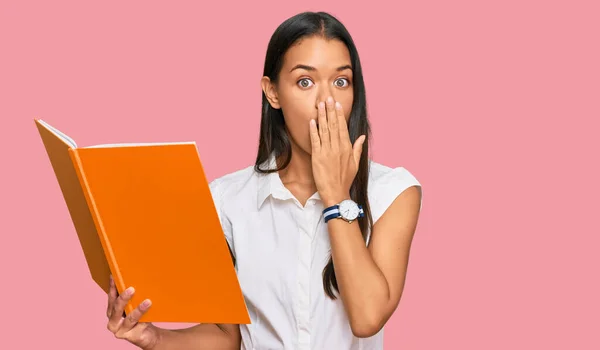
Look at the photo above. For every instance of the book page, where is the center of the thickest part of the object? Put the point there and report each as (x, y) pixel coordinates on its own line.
(72, 143)
(59, 134)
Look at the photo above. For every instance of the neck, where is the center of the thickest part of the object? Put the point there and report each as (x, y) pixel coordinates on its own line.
(299, 170)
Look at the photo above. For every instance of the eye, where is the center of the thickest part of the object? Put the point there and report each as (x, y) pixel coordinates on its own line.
(342, 80)
(304, 83)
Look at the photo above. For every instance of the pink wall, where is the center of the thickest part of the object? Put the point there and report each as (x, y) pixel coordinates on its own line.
(494, 108)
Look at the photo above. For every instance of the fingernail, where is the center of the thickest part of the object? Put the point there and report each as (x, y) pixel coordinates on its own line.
(329, 99)
(312, 122)
(146, 303)
(321, 104)
(338, 105)
(130, 291)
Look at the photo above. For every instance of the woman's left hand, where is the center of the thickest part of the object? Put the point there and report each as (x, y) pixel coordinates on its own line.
(334, 159)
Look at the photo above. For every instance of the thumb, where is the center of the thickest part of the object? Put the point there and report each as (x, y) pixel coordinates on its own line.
(358, 147)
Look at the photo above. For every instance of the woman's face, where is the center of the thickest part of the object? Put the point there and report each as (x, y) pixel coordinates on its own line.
(313, 70)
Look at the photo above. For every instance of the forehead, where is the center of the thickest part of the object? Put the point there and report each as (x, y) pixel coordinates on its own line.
(318, 52)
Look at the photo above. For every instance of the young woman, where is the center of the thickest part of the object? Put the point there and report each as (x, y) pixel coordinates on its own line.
(319, 233)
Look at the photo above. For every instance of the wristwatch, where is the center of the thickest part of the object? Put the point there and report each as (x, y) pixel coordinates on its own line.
(346, 210)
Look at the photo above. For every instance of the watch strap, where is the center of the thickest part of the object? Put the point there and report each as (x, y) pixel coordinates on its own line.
(331, 212)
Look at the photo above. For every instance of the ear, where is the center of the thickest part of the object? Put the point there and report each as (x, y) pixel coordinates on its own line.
(270, 92)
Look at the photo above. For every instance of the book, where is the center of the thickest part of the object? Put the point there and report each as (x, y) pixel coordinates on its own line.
(144, 213)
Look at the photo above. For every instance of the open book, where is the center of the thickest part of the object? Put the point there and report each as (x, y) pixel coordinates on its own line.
(144, 213)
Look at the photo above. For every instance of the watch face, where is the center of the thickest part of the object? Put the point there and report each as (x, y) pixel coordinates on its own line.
(349, 209)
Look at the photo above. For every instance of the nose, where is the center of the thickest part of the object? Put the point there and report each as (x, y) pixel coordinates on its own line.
(322, 95)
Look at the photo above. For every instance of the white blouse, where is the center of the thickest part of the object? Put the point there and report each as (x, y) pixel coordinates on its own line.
(281, 249)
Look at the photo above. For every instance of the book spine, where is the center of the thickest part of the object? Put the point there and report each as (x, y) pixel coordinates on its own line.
(110, 257)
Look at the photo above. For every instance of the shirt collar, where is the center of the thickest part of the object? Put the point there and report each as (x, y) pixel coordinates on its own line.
(271, 185)
(268, 184)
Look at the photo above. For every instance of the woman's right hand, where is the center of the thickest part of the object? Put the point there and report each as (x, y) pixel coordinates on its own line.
(143, 335)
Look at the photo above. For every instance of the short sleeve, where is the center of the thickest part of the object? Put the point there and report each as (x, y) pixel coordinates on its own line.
(386, 185)
(217, 195)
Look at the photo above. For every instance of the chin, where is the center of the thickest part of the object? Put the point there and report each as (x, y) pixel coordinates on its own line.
(306, 149)
(301, 146)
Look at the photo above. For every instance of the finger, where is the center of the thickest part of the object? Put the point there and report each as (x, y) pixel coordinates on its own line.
(112, 296)
(323, 132)
(332, 122)
(118, 307)
(314, 137)
(358, 148)
(134, 316)
(345, 141)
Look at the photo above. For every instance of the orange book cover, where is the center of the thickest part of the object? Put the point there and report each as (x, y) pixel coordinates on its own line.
(144, 213)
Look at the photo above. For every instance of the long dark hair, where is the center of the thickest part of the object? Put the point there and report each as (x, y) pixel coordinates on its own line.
(273, 135)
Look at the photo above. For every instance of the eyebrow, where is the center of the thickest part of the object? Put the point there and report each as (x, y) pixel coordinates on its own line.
(309, 68)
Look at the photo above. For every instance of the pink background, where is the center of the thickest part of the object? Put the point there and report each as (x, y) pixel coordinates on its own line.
(494, 107)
